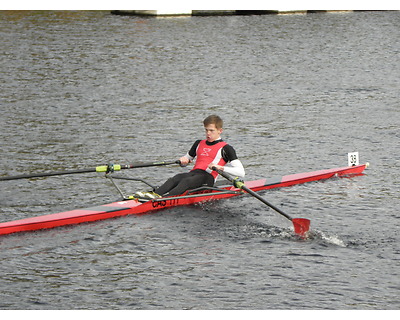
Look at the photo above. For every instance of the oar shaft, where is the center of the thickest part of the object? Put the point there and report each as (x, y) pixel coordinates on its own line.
(254, 194)
(242, 186)
(105, 168)
(46, 174)
(301, 226)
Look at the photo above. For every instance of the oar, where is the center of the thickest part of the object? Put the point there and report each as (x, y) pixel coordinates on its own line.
(104, 168)
(301, 226)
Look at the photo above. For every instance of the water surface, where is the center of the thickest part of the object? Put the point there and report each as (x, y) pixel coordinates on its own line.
(297, 92)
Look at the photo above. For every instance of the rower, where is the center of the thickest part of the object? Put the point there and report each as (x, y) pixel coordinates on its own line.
(210, 152)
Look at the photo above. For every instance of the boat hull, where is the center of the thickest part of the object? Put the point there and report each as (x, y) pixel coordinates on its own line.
(127, 207)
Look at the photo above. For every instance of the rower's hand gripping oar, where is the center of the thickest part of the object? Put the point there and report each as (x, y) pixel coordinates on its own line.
(106, 168)
(301, 226)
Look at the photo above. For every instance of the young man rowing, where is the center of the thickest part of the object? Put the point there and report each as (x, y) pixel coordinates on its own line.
(211, 152)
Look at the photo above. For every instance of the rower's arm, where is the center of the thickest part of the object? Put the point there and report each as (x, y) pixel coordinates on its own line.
(235, 168)
(185, 160)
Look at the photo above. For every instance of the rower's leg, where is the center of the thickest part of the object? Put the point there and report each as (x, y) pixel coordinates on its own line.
(192, 181)
(170, 184)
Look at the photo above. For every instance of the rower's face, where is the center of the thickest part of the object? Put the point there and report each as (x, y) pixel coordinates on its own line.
(212, 133)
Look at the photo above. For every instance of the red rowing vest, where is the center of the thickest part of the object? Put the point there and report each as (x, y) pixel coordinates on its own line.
(206, 154)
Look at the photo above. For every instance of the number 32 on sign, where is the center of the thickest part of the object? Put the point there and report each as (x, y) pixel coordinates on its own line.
(353, 159)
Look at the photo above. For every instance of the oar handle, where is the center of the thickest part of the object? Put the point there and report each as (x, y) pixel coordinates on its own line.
(149, 164)
(237, 182)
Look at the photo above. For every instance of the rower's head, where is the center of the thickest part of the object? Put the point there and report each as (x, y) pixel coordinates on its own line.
(213, 127)
(213, 119)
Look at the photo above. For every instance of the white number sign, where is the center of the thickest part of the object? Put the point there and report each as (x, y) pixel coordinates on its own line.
(353, 159)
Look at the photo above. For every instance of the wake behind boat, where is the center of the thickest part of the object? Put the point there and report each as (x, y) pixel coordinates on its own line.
(139, 206)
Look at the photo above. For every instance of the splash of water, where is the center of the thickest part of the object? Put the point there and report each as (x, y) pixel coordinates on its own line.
(326, 238)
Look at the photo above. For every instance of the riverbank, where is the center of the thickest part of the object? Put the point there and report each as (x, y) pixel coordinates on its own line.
(216, 12)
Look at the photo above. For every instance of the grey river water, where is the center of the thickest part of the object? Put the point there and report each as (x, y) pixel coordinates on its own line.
(296, 92)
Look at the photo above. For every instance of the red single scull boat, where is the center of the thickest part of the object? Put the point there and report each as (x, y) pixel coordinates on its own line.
(126, 207)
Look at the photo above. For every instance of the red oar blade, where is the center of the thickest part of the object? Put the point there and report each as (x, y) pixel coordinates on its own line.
(301, 226)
